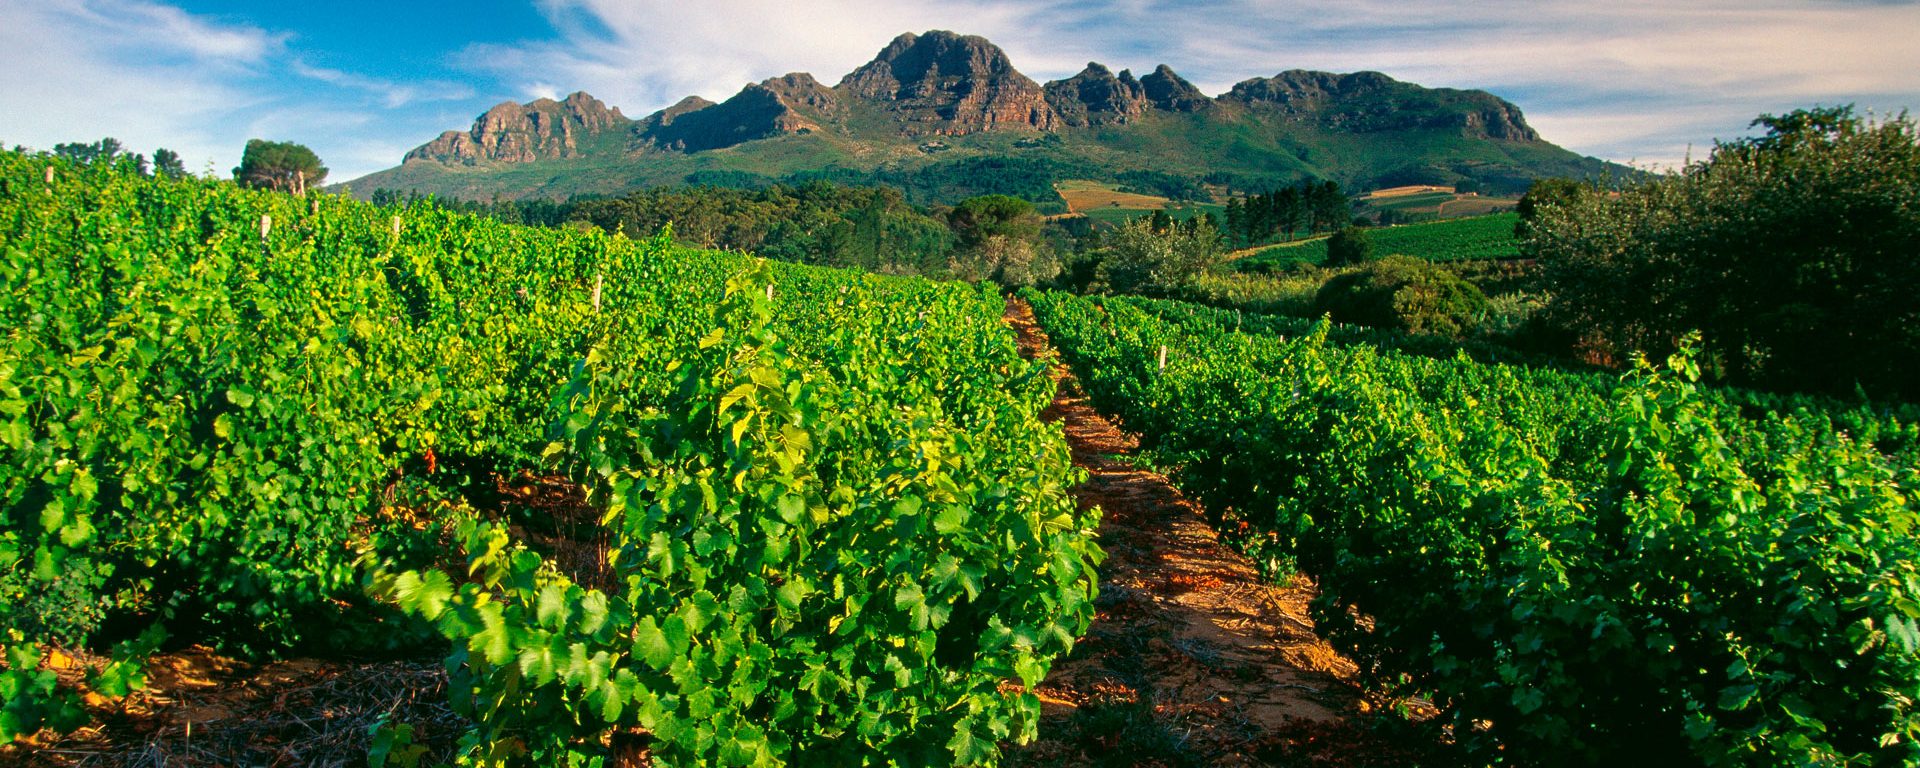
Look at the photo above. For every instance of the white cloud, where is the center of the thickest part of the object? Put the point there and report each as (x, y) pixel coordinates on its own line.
(392, 95)
(1620, 80)
(648, 54)
(147, 74)
(1633, 79)
(153, 76)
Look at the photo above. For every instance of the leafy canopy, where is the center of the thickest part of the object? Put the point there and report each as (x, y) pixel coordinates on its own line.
(279, 165)
(1791, 252)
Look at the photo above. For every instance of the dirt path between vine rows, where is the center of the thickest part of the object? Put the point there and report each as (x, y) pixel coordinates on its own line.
(1193, 658)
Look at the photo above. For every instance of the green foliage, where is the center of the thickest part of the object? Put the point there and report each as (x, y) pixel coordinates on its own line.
(1349, 247)
(212, 397)
(1315, 205)
(793, 591)
(1161, 184)
(1404, 294)
(104, 151)
(816, 223)
(1547, 194)
(1000, 240)
(1579, 570)
(1792, 253)
(1142, 257)
(976, 219)
(281, 166)
(167, 164)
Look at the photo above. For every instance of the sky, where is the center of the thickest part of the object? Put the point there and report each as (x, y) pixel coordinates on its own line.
(1647, 83)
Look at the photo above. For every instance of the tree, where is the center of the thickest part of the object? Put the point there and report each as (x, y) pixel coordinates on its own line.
(1327, 206)
(1137, 258)
(167, 164)
(1793, 253)
(1406, 294)
(105, 150)
(1349, 246)
(1543, 194)
(1286, 211)
(279, 165)
(1237, 221)
(999, 239)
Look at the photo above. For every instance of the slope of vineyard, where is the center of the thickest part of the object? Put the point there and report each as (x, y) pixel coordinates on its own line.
(835, 524)
(1471, 239)
(1577, 570)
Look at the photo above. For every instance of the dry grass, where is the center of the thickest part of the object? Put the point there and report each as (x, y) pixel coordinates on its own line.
(1416, 189)
(1474, 206)
(1082, 196)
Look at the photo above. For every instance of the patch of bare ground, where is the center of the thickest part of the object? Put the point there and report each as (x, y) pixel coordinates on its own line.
(1193, 658)
(202, 708)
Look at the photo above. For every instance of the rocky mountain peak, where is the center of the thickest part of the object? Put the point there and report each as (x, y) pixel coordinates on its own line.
(946, 83)
(1172, 92)
(542, 129)
(1096, 97)
(1363, 102)
(792, 103)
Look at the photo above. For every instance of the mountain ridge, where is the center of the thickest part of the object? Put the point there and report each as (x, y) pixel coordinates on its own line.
(925, 94)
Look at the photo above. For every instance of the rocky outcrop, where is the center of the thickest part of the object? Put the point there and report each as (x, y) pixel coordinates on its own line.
(542, 129)
(805, 95)
(1364, 102)
(1096, 97)
(944, 83)
(795, 103)
(667, 116)
(1171, 92)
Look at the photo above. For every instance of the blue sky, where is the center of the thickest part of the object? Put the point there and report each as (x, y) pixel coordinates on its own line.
(362, 82)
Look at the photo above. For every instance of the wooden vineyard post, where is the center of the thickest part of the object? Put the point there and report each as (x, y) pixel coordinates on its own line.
(769, 291)
(1163, 358)
(49, 175)
(266, 225)
(396, 226)
(598, 280)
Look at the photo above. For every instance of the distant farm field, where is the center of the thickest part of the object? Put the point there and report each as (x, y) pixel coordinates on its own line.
(1438, 202)
(1480, 237)
(1408, 190)
(1084, 196)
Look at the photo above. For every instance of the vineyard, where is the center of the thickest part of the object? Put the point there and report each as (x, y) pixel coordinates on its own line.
(1575, 569)
(823, 521)
(1472, 239)
(832, 525)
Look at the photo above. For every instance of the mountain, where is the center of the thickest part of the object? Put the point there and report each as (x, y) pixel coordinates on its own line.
(945, 116)
(542, 129)
(943, 83)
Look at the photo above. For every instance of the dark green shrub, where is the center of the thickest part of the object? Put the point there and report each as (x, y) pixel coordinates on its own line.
(1405, 294)
(1792, 253)
(1348, 247)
